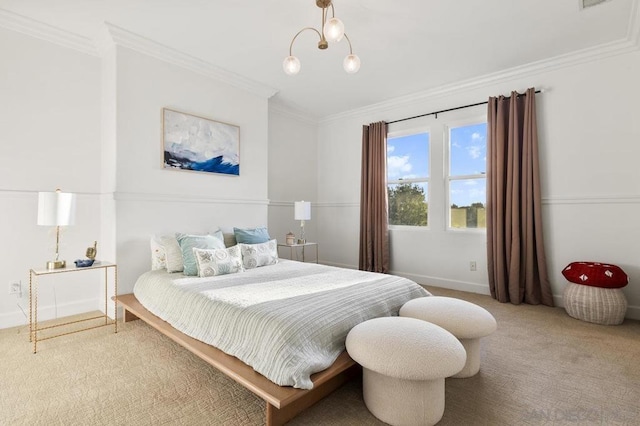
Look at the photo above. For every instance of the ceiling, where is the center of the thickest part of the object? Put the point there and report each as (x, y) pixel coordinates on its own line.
(406, 46)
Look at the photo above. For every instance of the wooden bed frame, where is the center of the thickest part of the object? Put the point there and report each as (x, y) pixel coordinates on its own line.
(282, 402)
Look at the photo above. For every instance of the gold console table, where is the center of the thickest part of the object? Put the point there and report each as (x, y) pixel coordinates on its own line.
(33, 300)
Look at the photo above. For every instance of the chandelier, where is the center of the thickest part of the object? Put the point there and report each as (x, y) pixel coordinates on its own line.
(331, 30)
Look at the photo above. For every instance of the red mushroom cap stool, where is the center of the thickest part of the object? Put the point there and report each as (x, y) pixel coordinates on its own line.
(594, 292)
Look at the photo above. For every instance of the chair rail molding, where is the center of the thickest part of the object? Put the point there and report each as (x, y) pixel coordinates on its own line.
(182, 198)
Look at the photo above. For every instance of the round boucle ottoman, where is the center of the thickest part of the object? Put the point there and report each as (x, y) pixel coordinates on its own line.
(465, 320)
(404, 363)
(606, 306)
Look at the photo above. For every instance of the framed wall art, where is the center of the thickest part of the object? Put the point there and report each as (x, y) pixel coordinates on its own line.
(199, 144)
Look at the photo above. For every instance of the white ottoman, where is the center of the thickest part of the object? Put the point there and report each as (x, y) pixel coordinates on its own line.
(465, 320)
(404, 363)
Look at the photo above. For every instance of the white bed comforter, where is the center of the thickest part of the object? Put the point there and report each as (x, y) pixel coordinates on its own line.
(287, 320)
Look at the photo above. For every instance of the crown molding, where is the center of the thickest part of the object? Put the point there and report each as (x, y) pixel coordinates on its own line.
(114, 35)
(619, 47)
(31, 27)
(124, 38)
(279, 108)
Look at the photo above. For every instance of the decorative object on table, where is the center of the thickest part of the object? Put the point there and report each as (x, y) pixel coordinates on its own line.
(332, 31)
(56, 209)
(594, 293)
(200, 144)
(83, 263)
(92, 251)
(290, 238)
(302, 212)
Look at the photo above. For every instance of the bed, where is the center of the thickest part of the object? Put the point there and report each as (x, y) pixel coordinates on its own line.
(286, 323)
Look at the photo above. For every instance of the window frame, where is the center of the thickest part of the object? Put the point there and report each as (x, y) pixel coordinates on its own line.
(427, 179)
(470, 121)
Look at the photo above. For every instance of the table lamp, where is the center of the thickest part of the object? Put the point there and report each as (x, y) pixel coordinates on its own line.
(56, 209)
(302, 212)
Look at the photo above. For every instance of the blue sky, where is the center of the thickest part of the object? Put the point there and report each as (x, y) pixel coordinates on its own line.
(408, 157)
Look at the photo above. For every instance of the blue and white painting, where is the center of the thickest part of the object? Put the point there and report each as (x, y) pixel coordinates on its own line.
(200, 144)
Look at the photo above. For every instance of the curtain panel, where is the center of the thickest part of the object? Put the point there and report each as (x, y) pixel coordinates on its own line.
(515, 245)
(374, 223)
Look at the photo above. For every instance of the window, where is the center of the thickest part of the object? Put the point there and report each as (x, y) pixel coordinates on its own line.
(467, 182)
(408, 179)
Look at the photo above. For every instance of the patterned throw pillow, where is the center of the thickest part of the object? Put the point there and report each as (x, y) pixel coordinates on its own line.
(256, 255)
(218, 261)
(189, 242)
(596, 274)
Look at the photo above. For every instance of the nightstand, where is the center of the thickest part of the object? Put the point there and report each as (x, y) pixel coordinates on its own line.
(33, 300)
(291, 248)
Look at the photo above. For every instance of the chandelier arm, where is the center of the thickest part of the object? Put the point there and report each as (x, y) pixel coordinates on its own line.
(324, 20)
(333, 11)
(349, 41)
(299, 32)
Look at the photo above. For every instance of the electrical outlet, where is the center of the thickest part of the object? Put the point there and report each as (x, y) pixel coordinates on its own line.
(15, 288)
(473, 266)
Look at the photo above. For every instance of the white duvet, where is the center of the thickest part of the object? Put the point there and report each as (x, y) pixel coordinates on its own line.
(287, 320)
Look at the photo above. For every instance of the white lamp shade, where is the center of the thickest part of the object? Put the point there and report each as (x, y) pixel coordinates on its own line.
(291, 65)
(351, 64)
(302, 210)
(333, 30)
(56, 208)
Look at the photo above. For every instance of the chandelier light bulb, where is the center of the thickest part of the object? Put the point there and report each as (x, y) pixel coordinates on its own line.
(333, 30)
(351, 64)
(291, 65)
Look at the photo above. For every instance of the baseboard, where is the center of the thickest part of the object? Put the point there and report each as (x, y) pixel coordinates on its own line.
(445, 283)
(20, 318)
(428, 280)
(633, 312)
(338, 265)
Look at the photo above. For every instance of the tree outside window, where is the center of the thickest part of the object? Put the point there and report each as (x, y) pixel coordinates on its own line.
(408, 179)
(467, 176)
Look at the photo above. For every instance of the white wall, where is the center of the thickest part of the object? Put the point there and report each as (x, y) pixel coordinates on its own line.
(588, 131)
(150, 199)
(50, 130)
(292, 173)
(92, 125)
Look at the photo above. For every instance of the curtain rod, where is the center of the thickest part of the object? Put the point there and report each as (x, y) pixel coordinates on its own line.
(447, 110)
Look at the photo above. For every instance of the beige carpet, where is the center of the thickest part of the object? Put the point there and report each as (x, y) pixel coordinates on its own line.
(540, 368)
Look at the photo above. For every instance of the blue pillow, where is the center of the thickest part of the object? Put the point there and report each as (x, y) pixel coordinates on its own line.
(251, 236)
(189, 242)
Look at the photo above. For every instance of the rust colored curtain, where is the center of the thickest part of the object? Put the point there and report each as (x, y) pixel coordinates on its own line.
(374, 223)
(515, 245)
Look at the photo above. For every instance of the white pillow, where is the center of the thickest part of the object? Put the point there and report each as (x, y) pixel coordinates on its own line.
(172, 253)
(256, 255)
(213, 262)
(158, 257)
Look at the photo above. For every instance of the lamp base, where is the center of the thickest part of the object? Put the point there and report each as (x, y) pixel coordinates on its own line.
(56, 264)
